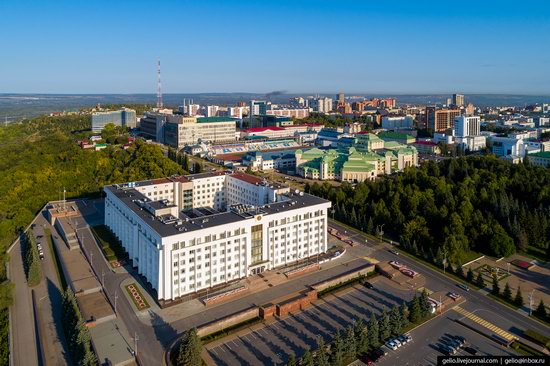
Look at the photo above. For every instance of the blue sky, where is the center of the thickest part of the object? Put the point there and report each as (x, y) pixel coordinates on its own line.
(399, 47)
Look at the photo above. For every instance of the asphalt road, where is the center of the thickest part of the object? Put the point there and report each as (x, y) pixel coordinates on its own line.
(478, 303)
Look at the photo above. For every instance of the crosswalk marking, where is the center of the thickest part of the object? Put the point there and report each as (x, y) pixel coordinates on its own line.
(501, 332)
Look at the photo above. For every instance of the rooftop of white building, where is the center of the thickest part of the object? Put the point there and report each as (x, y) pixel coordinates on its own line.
(200, 218)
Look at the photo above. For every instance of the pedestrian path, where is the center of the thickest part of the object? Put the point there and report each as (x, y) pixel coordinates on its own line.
(501, 332)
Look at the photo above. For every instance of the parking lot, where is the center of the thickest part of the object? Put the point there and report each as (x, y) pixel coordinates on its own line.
(423, 350)
(273, 343)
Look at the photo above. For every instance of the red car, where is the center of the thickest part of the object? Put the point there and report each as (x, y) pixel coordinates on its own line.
(366, 360)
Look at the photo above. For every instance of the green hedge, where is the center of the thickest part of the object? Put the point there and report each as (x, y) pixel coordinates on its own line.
(537, 337)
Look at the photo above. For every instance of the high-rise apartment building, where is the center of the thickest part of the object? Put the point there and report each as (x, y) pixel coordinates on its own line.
(124, 117)
(189, 234)
(440, 119)
(212, 110)
(467, 126)
(340, 98)
(321, 105)
(458, 100)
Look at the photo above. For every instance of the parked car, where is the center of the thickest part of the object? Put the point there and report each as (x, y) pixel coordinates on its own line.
(366, 359)
(470, 350)
(382, 351)
(368, 285)
(460, 339)
(397, 342)
(446, 350)
(403, 339)
(374, 356)
(391, 345)
(464, 287)
(394, 252)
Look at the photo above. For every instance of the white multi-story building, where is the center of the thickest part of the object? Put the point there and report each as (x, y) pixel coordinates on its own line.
(467, 126)
(212, 110)
(321, 105)
(187, 234)
(391, 122)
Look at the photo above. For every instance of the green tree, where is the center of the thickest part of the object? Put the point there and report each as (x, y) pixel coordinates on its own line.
(395, 320)
(540, 311)
(307, 358)
(351, 343)
(190, 349)
(322, 356)
(424, 304)
(470, 275)
(507, 293)
(415, 310)
(337, 350)
(372, 331)
(384, 330)
(496, 289)
(480, 282)
(518, 299)
(291, 360)
(361, 338)
(459, 270)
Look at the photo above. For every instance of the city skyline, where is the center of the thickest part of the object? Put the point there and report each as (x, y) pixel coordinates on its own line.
(299, 47)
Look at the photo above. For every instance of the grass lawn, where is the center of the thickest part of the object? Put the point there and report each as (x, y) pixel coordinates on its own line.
(110, 245)
(535, 253)
(525, 350)
(470, 256)
(55, 257)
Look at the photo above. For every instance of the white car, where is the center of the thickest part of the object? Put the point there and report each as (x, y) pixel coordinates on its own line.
(391, 345)
(397, 342)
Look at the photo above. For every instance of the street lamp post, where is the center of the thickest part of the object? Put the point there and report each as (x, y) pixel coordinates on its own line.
(531, 298)
(136, 339)
(116, 297)
(333, 212)
(102, 278)
(508, 265)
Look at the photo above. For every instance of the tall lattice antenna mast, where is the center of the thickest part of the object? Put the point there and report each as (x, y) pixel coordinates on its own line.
(159, 87)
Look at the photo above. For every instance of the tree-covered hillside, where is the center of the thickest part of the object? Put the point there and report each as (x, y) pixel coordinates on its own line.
(39, 158)
(449, 209)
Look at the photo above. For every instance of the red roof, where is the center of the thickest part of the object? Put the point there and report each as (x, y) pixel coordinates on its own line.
(362, 133)
(304, 125)
(431, 143)
(247, 178)
(262, 129)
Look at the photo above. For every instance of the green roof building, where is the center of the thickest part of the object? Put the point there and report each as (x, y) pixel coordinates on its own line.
(357, 163)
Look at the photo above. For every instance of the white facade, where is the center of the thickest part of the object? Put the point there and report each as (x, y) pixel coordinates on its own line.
(391, 122)
(180, 254)
(212, 110)
(506, 146)
(321, 105)
(467, 126)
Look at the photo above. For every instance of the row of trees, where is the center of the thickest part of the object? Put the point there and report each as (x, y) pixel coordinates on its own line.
(359, 338)
(76, 333)
(31, 262)
(183, 160)
(450, 208)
